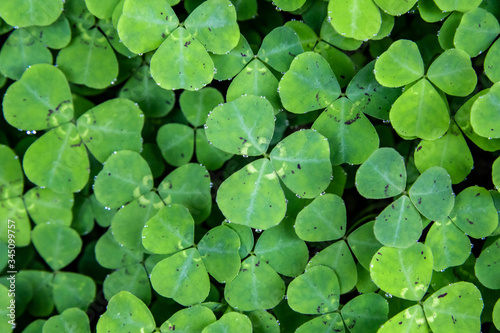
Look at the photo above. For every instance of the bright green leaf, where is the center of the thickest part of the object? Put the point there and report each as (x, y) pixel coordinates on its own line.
(41, 99)
(102, 9)
(45, 205)
(58, 160)
(214, 25)
(359, 19)
(409, 320)
(131, 278)
(176, 142)
(487, 266)
(309, 84)
(399, 224)
(341, 64)
(263, 322)
(72, 290)
(307, 36)
(314, 292)
(72, 320)
(395, 8)
(89, 60)
(229, 64)
(208, 155)
(483, 116)
(126, 312)
(477, 30)
(143, 26)
(364, 244)
(365, 313)
(302, 161)
(324, 219)
(230, 322)
(458, 5)
(129, 172)
(399, 65)
(279, 48)
(110, 126)
(253, 196)
(244, 126)
(257, 286)
(196, 105)
(189, 320)
(58, 245)
(382, 175)
(189, 65)
(182, 277)
(323, 324)
(404, 273)
(449, 245)
(11, 178)
(456, 307)
(110, 254)
(452, 72)
(351, 136)
(36, 12)
(492, 62)
(13, 209)
(331, 36)
(188, 185)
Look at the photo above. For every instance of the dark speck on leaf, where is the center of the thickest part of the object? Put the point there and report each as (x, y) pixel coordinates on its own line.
(442, 295)
(187, 43)
(298, 166)
(350, 121)
(342, 76)
(470, 222)
(209, 29)
(419, 201)
(293, 172)
(478, 194)
(257, 264)
(419, 148)
(243, 54)
(163, 35)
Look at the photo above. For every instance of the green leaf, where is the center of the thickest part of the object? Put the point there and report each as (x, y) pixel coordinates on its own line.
(170, 230)
(364, 244)
(331, 36)
(420, 112)
(176, 142)
(245, 9)
(196, 105)
(45, 205)
(73, 290)
(219, 250)
(126, 312)
(395, 8)
(496, 314)
(102, 10)
(189, 65)
(365, 284)
(458, 5)
(245, 234)
(448, 30)
(103, 215)
(13, 209)
(477, 30)
(399, 65)
(411, 320)
(109, 29)
(257, 80)
(307, 35)
(182, 277)
(487, 266)
(309, 84)
(365, 313)
(131, 278)
(314, 292)
(228, 65)
(5, 302)
(341, 64)
(143, 27)
(338, 257)
(351, 136)
(430, 12)
(89, 60)
(359, 19)
(214, 25)
(253, 196)
(449, 245)
(449, 152)
(192, 319)
(452, 72)
(302, 161)
(382, 175)
(474, 212)
(188, 185)
(281, 248)
(456, 307)
(230, 322)
(36, 12)
(56, 36)
(58, 160)
(399, 224)
(432, 186)
(110, 126)
(42, 303)
(110, 254)
(153, 100)
(495, 173)
(257, 286)
(483, 118)
(128, 222)
(78, 16)
(72, 320)
(211, 157)
(20, 51)
(11, 178)
(324, 219)
(263, 322)
(492, 61)
(129, 172)
(41, 99)
(370, 96)
(279, 48)
(57, 244)
(404, 273)
(244, 126)
(330, 322)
